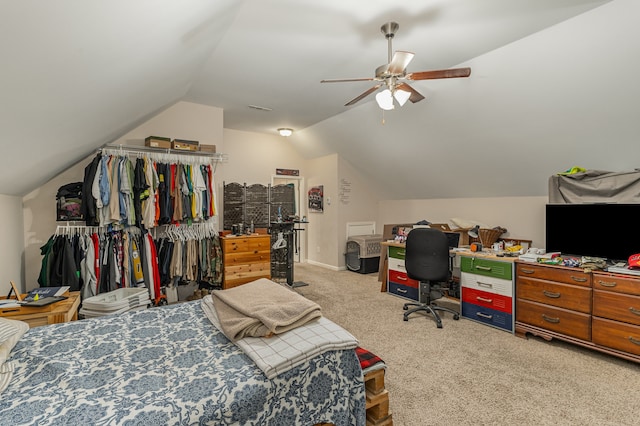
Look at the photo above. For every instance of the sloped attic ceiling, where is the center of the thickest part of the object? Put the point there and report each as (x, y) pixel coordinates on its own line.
(545, 92)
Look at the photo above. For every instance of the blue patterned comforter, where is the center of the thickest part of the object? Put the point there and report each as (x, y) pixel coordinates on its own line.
(164, 366)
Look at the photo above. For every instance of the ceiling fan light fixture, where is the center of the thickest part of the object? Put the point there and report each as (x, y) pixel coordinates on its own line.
(402, 96)
(285, 132)
(385, 100)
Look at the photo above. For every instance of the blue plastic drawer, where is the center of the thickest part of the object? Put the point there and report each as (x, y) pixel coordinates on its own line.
(488, 316)
(402, 290)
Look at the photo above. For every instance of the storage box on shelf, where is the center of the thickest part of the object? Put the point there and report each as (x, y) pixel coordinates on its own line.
(599, 310)
(486, 290)
(245, 258)
(157, 142)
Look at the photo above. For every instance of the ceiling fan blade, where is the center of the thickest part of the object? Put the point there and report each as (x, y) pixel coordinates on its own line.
(399, 62)
(415, 95)
(432, 75)
(342, 80)
(363, 95)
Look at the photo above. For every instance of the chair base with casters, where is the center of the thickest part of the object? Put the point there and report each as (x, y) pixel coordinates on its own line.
(428, 306)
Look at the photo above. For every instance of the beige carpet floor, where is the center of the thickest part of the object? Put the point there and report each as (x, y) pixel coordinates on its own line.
(468, 373)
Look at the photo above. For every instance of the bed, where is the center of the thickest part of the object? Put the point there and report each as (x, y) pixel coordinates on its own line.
(169, 365)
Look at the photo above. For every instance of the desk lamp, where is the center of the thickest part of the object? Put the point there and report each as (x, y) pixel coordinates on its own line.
(473, 232)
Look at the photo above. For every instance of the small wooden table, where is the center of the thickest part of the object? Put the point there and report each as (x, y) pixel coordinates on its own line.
(62, 311)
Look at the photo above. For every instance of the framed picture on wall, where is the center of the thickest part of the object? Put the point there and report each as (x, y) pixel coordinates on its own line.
(316, 199)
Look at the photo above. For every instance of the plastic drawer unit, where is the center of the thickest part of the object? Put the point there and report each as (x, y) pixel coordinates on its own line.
(486, 291)
(398, 283)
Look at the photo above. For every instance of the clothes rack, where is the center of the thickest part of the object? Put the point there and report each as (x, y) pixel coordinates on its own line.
(166, 154)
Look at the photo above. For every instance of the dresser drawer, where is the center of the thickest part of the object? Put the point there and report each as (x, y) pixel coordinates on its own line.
(402, 279)
(487, 300)
(244, 257)
(397, 253)
(616, 306)
(488, 284)
(403, 290)
(486, 267)
(486, 315)
(550, 273)
(560, 320)
(616, 335)
(395, 264)
(575, 298)
(246, 244)
(247, 270)
(617, 284)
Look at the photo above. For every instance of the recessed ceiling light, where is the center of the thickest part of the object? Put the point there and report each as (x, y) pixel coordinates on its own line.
(284, 131)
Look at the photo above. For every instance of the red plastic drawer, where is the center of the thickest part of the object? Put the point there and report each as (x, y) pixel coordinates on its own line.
(494, 301)
(401, 278)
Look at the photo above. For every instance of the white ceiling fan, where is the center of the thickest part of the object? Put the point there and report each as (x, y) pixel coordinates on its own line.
(393, 75)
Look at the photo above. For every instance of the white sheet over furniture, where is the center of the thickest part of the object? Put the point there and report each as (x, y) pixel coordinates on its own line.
(169, 365)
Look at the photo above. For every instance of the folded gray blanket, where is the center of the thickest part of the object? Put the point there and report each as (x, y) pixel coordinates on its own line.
(261, 308)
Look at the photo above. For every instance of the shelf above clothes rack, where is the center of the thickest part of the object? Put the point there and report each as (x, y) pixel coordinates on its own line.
(167, 154)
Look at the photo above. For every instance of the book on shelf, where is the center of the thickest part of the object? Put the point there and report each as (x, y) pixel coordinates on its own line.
(42, 292)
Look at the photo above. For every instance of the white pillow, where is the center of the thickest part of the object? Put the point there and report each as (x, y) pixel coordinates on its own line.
(7, 329)
(15, 330)
(467, 223)
(18, 329)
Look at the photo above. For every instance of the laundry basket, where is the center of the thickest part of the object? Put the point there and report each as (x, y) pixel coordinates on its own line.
(115, 302)
(363, 253)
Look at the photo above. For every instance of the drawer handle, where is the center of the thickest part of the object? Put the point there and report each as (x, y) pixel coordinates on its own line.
(606, 283)
(481, 315)
(401, 253)
(550, 294)
(402, 278)
(634, 310)
(483, 268)
(527, 271)
(578, 279)
(402, 290)
(550, 319)
(634, 341)
(481, 284)
(482, 299)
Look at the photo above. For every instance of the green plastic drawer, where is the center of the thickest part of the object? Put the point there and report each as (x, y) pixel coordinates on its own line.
(397, 252)
(486, 267)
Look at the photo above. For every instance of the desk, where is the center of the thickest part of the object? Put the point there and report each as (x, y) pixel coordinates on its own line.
(486, 284)
(58, 312)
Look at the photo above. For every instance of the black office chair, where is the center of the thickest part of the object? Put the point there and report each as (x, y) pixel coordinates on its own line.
(427, 261)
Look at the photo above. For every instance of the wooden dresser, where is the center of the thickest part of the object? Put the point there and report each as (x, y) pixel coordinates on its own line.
(597, 310)
(245, 258)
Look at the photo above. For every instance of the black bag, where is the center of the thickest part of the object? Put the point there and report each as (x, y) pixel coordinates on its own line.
(69, 202)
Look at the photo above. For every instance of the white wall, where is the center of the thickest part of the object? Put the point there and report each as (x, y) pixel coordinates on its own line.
(254, 157)
(11, 249)
(322, 230)
(356, 201)
(523, 217)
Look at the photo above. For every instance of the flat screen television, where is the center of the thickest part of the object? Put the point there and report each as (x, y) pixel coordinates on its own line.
(610, 231)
